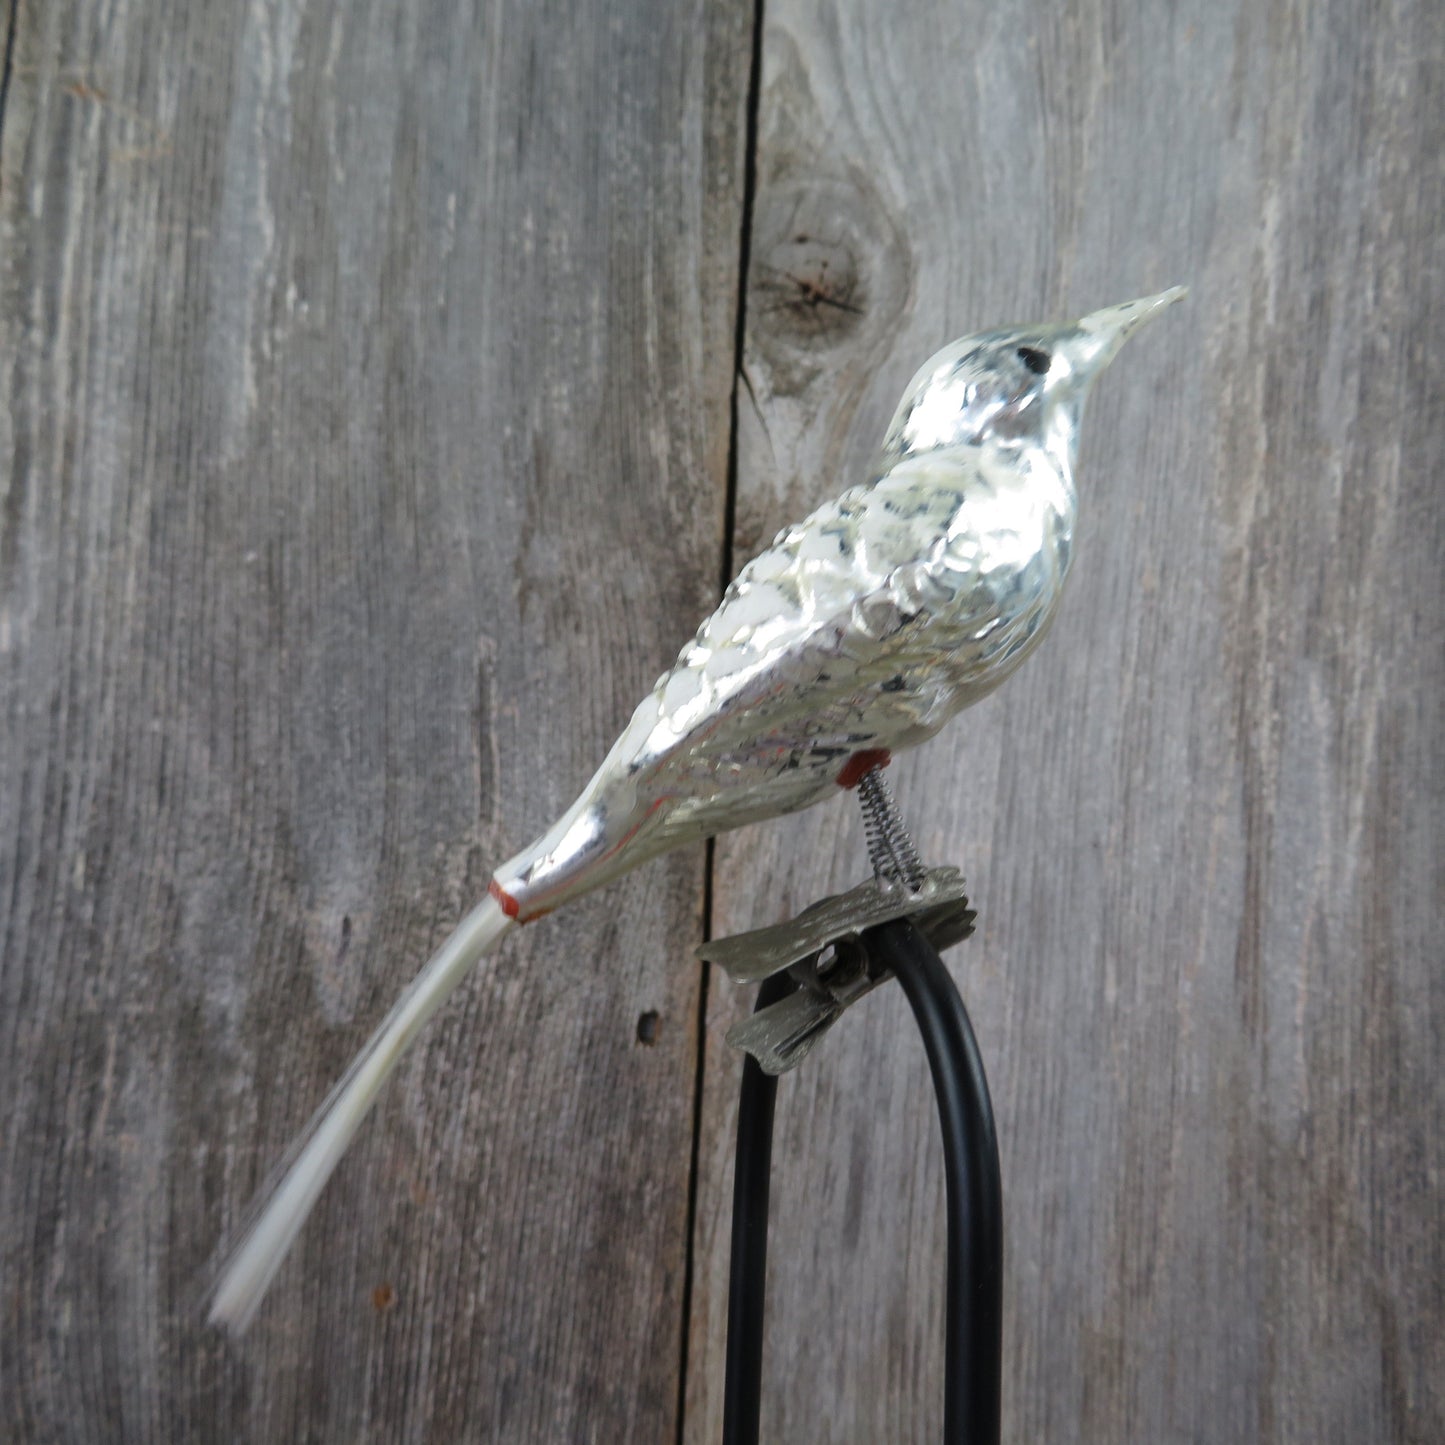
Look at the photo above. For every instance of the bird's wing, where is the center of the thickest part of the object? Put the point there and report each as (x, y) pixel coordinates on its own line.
(861, 630)
(826, 643)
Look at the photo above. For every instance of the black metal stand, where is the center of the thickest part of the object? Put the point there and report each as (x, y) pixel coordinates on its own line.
(974, 1326)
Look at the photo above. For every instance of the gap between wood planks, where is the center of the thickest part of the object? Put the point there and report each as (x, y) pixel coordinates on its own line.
(8, 64)
(725, 573)
(725, 569)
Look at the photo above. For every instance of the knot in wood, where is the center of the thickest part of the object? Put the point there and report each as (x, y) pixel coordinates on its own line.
(809, 290)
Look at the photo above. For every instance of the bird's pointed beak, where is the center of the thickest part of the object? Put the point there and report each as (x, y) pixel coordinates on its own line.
(1095, 339)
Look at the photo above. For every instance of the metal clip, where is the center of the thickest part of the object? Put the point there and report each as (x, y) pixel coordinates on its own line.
(825, 951)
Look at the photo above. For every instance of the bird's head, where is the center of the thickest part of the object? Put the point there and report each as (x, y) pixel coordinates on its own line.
(1023, 385)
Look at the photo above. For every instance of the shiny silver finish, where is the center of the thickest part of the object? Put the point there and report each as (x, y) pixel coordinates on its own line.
(864, 628)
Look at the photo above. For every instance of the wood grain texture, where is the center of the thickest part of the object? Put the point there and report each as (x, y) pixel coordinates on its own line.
(1203, 827)
(365, 375)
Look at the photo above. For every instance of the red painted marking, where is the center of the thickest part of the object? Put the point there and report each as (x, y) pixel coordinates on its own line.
(513, 909)
(861, 764)
(510, 906)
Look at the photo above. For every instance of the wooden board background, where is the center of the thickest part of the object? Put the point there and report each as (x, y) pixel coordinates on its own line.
(366, 400)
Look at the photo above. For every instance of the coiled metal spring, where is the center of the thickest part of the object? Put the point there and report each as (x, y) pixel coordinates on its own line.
(890, 849)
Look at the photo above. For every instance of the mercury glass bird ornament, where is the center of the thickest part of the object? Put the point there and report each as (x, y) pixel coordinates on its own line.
(859, 632)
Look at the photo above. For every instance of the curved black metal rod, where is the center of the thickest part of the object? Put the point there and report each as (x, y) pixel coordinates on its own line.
(748, 1270)
(973, 1348)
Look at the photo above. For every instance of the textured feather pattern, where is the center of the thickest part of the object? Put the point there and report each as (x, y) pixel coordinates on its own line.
(864, 627)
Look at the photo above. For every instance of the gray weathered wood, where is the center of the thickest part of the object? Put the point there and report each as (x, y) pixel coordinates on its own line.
(333, 336)
(365, 374)
(1204, 825)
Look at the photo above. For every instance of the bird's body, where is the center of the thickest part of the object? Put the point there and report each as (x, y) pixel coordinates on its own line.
(858, 633)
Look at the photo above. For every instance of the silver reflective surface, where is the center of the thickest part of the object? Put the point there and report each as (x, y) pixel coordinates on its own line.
(866, 626)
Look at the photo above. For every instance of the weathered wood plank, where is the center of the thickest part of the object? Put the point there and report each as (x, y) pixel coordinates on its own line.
(1204, 825)
(365, 377)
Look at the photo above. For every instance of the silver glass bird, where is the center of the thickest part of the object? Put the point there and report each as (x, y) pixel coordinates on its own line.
(859, 632)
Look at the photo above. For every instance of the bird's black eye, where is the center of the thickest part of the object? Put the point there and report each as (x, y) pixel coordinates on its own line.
(1037, 361)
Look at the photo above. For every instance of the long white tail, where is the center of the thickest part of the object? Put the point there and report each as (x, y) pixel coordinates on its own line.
(250, 1269)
